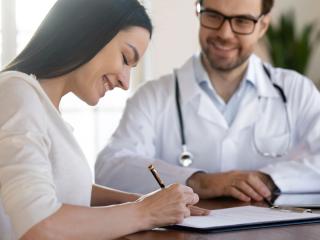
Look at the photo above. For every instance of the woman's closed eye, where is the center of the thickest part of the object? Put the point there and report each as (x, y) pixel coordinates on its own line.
(125, 59)
(133, 55)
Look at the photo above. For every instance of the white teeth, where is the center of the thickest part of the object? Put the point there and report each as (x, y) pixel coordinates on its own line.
(105, 82)
(106, 85)
(223, 47)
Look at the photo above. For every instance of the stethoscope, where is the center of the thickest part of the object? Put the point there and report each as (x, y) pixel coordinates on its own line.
(186, 157)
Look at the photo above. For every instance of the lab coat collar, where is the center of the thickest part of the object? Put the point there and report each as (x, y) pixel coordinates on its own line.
(190, 89)
(250, 109)
(188, 85)
(257, 74)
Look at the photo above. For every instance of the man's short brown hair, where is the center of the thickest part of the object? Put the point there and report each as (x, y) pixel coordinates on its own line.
(266, 5)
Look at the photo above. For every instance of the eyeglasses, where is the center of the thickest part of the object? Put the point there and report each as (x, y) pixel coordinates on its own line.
(243, 25)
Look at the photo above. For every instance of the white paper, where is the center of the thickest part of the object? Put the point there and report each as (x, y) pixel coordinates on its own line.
(298, 200)
(243, 215)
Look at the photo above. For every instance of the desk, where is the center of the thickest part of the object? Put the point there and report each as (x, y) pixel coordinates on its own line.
(302, 232)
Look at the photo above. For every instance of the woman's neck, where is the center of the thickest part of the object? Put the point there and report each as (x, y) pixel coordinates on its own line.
(55, 88)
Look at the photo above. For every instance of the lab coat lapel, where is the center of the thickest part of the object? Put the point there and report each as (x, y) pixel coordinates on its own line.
(209, 111)
(248, 113)
(193, 96)
(250, 109)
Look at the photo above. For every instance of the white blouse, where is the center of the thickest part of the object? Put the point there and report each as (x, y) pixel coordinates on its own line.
(41, 164)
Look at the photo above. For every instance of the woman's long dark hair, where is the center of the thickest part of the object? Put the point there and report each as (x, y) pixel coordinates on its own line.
(73, 32)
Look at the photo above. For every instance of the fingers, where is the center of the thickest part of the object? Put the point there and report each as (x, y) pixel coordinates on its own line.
(259, 186)
(250, 192)
(234, 192)
(187, 194)
(187, 212)
(187, 198)
(249, 185)
(197, 211)
(192, 198)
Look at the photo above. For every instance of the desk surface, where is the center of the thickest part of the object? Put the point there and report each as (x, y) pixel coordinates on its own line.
(306, 232)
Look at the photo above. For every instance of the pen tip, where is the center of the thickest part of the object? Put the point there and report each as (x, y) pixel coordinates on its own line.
(269, 203)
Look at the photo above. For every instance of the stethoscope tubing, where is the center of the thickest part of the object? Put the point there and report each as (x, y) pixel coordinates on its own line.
(186, 157)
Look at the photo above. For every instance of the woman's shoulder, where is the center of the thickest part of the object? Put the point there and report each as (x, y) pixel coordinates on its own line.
(9, 78)
(18, 87)
(20, 98)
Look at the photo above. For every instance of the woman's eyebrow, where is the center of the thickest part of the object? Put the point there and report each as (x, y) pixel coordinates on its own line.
(135, 51)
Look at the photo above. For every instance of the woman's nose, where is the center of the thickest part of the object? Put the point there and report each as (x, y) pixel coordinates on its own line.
(124, 78)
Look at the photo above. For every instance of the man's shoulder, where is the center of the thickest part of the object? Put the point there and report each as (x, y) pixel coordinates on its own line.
(257, 61)
(297, 87)
(290, 81)
(156, 90)
(284, 76)
(165, 83)
(279, 75)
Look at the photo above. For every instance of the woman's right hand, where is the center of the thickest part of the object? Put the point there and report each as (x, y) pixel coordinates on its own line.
(167, 206)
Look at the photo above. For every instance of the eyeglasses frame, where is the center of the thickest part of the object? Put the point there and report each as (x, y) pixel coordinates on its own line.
(201, 9)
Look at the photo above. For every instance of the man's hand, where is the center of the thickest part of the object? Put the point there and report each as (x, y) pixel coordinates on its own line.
(243, 185)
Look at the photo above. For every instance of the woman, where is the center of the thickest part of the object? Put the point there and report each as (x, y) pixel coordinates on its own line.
(86, 47)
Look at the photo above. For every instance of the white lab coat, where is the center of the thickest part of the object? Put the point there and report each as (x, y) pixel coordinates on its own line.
(149, 133)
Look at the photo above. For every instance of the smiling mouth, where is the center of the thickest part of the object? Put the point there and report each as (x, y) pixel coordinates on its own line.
(107, 83)
(222, 45)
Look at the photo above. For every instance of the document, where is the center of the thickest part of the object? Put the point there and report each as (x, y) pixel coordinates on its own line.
(246, 217)
(309, 200)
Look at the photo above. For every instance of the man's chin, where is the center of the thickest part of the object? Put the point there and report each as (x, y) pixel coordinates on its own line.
(225, 64)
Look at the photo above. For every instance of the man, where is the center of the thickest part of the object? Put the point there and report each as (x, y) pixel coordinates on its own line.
(250, 127)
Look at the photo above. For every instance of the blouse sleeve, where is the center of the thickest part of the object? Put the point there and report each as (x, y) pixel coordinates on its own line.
(27, 189)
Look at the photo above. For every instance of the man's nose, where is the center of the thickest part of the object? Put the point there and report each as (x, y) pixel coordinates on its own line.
(225, 30)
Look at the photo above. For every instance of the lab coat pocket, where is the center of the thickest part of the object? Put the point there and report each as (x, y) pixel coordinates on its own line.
(272, 146)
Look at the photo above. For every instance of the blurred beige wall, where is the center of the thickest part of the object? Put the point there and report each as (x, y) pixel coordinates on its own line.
(176, 26)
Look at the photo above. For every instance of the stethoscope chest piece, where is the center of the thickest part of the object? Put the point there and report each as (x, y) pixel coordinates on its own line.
(186, 157)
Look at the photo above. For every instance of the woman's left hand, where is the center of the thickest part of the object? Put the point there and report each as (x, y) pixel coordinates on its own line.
(197, 211)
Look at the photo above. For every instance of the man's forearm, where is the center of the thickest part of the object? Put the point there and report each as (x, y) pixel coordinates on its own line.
(204, 184)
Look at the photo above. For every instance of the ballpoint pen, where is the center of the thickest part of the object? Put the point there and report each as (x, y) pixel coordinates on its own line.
(268, 202)
(291, 209)
(156, 176)
(286, 208)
